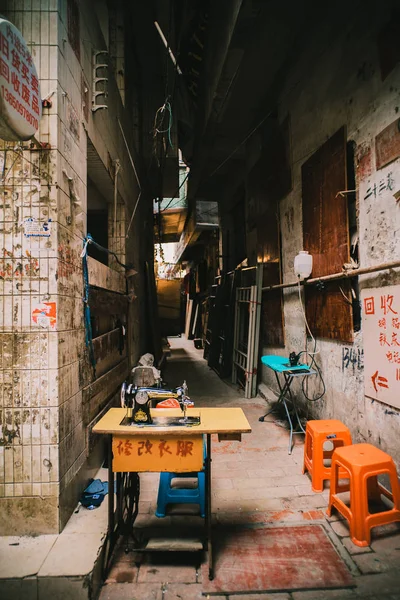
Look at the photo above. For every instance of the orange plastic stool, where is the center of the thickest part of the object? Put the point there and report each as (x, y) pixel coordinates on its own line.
(317, 434)
(363, 463)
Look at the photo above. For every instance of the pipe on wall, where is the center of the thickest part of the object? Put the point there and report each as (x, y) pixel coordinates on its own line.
(334, 276)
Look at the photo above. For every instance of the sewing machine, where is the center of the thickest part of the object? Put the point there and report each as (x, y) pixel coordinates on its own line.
(138, 400)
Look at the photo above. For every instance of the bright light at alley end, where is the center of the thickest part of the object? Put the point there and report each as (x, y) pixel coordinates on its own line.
(303, 264)
(20, 99)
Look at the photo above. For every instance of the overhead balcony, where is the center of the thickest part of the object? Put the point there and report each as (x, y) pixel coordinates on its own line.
(173, 211)
(204, 217)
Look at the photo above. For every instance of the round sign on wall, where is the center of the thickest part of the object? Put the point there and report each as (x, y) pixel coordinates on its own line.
(20, 100)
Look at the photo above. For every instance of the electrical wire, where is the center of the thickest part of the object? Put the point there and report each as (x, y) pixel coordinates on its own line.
(344, 296)
(313, 364)
(176, 193)
(89, 240)
(168, 104)
(305, 320)
(156, 128)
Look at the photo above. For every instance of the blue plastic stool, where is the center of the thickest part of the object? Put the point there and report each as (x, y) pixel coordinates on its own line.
(181, 495)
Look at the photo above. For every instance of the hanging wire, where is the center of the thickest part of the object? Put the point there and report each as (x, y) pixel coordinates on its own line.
(166, 111)
(176, 193)
(312, 354)
(89, 240)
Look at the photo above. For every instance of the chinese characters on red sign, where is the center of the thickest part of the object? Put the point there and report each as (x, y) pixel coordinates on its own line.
(182, 448)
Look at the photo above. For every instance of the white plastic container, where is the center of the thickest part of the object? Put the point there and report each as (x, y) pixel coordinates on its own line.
(303, 264)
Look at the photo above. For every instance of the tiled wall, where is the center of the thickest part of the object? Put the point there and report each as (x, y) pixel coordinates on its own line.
(44, 366)
(29, 452)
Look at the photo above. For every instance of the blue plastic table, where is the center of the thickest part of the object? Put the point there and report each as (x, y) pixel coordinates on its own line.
(281, 365)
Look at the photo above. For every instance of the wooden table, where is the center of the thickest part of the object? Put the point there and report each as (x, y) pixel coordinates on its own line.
(177, 449)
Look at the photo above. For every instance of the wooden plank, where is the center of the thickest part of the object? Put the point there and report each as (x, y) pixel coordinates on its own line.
(107, 351)
(387, 144)
(173, 454)
(103, 300)
(102, 276)
(105, 309)
(326, 237)
(189, 309)
(212, 420)
(97, 393)
(174, 544)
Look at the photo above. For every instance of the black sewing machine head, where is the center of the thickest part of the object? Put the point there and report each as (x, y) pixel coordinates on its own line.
(294, 359)
(138, 400)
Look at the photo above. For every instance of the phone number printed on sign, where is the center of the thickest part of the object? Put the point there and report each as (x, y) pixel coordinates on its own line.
(20, 100)
(175, 454)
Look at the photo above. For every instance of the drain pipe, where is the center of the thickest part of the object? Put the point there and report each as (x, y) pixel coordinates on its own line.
(334, 276)
(117, 168)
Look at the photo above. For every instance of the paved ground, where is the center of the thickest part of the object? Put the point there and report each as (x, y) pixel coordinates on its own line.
(255, 481)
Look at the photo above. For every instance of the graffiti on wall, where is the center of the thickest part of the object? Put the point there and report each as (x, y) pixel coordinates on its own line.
(69, 261)
(352, 358)
(386, 184)
(11, 268)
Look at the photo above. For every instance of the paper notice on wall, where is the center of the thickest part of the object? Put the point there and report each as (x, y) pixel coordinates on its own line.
(381, 333)
(45, 315)
(36, 228)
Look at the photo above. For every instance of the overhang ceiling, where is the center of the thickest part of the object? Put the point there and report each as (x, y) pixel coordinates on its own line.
(233, 55)
(264, 39)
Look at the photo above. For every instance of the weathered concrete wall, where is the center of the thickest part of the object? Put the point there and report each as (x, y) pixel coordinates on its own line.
(334, 81)
(103, 129)
(29, 452)
(47, 394)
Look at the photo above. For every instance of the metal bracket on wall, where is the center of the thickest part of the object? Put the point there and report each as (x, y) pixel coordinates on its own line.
(96, 81)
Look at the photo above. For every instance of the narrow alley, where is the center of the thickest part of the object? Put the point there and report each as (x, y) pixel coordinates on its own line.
(199, 300)
(256, 484)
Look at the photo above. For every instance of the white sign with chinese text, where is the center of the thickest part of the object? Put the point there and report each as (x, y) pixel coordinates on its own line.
(20, 100)
(35, 228)
(381, 332)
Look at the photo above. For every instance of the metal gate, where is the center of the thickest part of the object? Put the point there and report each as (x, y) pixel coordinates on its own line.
(247, 333)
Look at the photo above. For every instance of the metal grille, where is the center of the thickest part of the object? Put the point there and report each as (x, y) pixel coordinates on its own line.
(246, 334)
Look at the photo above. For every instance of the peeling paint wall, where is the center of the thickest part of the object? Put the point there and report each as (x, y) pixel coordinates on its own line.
(47, 394)
(336, 80)
(29, 433)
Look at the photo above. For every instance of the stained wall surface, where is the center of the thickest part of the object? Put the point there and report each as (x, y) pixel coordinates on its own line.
(337, 80)
(49, 395)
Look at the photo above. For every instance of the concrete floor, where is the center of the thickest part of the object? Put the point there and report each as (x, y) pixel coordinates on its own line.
(254, 481)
